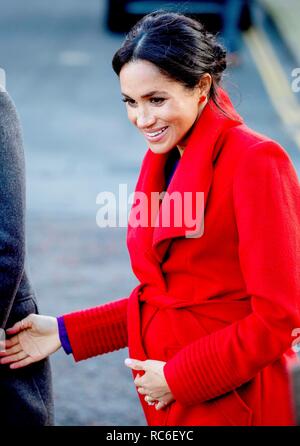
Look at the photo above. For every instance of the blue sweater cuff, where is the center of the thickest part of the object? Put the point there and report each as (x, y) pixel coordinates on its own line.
(63, 335)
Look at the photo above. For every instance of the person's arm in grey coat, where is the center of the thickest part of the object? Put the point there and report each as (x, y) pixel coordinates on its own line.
(12, 205)
(26, 397)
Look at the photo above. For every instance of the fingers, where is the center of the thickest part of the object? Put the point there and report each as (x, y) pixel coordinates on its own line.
(134, 364)
(22, 363)
(160, 405)
(20, 326)
(154, 395)
(16, 348)
(15, 328)
(14, 357)
(12, 341)
(142, 391)
(150, 401)
(139, 380)
(8, 343)
(164, 401)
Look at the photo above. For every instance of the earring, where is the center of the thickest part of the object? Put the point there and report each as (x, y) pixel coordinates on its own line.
(202, 98)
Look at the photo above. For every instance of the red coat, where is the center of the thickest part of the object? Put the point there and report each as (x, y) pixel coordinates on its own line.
(219, 308)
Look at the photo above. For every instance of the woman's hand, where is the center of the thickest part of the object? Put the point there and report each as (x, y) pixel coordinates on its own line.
(36, 337)
(152, 383)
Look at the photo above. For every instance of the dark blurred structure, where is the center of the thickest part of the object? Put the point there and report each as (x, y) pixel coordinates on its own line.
(295, 377)
(228, 16)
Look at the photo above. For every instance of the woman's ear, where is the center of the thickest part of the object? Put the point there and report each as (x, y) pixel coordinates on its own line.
(205, 85)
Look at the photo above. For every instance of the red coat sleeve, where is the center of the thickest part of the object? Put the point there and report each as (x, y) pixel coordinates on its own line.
(266, 195)
(97, 330)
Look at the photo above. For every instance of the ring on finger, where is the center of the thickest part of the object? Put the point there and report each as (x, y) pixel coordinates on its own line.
(149, 400)
(162, 402)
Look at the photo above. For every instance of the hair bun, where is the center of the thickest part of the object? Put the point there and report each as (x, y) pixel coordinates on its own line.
(220, 62)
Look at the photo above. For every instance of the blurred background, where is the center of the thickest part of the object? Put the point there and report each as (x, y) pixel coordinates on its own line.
(57, 58)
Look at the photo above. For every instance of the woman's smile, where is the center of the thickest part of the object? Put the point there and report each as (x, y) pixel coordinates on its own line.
(156, 135)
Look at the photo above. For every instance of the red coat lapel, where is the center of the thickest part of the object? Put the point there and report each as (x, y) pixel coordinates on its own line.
(193, 174)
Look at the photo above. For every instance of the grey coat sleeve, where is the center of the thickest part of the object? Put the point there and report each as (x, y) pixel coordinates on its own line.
(12, 205)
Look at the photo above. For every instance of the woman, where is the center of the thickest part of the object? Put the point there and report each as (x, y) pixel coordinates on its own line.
(209, 327)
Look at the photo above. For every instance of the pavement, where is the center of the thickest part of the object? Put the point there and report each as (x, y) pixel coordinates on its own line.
(78, 142)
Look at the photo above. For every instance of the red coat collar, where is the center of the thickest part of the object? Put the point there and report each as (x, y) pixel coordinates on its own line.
(194, 173)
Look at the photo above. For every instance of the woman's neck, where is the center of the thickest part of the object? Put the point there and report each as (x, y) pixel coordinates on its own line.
(184, 143)
(181, 149)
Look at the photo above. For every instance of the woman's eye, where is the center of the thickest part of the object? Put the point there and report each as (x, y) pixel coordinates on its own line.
(157, 100)
(130, 101)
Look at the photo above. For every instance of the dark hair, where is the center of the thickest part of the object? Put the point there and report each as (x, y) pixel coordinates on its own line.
(178, 45)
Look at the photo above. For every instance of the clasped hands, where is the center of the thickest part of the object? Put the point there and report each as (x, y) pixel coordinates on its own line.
(152, 383)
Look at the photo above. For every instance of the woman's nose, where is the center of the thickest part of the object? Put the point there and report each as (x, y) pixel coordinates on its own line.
(144, 121)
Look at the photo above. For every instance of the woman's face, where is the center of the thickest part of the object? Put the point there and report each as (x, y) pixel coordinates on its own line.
(162, 109)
